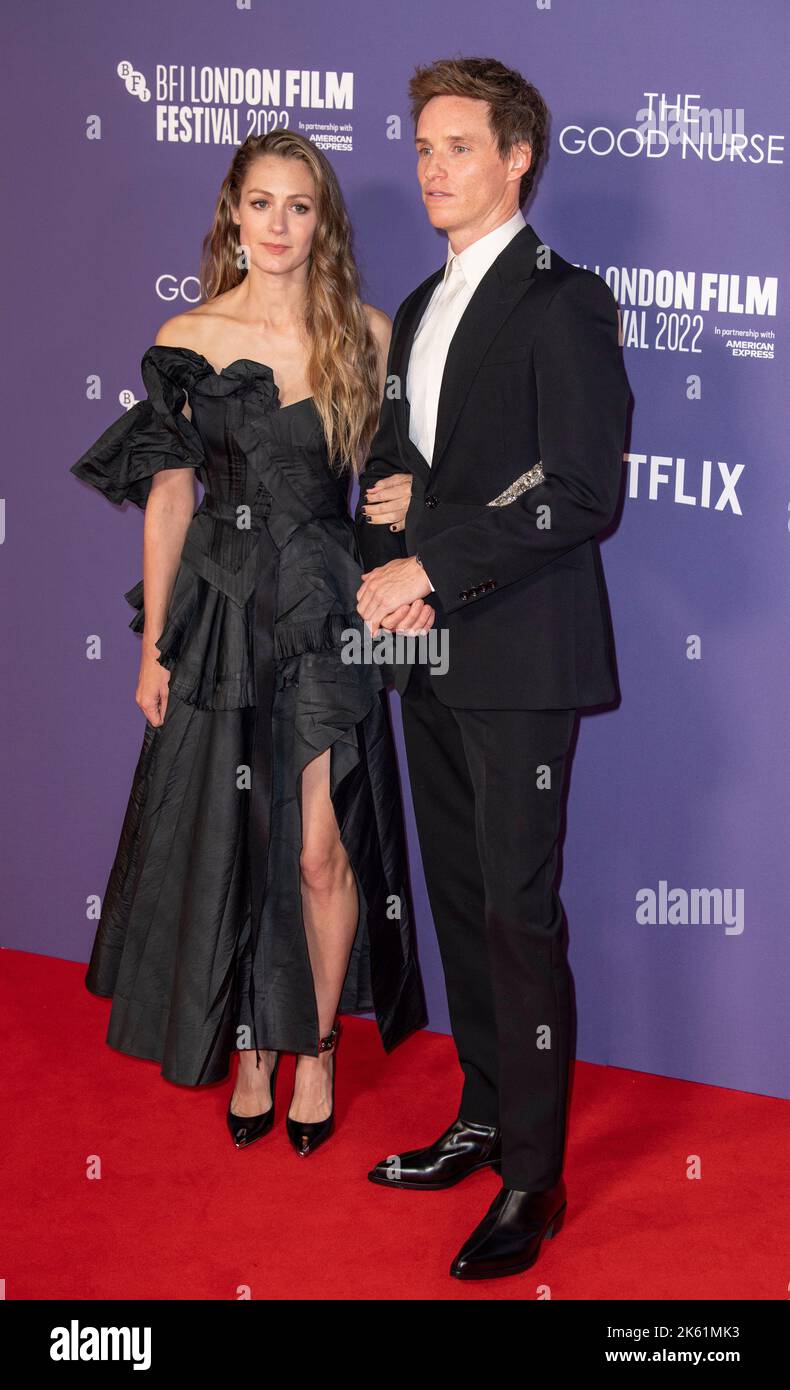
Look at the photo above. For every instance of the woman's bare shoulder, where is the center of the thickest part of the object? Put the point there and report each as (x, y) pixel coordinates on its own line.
(193, 327)
(181, 330)
(380, 324)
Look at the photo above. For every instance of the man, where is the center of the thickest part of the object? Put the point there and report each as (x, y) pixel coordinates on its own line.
(512, 428)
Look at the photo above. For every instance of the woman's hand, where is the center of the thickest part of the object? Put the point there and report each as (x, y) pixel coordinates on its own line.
(387, 501)
(413, 617)
(152, 688)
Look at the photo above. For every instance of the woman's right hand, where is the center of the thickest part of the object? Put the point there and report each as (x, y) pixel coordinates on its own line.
(152, 688)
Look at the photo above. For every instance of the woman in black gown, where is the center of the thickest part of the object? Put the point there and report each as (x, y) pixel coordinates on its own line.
(259, 886)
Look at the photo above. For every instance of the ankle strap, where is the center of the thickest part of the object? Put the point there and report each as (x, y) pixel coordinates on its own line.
(325, 1044)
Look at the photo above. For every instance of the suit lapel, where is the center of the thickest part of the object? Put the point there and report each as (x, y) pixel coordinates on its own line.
(400, 362)
(503, 285)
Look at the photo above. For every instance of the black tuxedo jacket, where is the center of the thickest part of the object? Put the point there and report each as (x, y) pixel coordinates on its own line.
(534, 375)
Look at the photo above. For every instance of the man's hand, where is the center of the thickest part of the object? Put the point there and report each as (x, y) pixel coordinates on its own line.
(387, 501)
(389, 591)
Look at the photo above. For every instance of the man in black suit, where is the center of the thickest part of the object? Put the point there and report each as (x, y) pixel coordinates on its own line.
(510, 421)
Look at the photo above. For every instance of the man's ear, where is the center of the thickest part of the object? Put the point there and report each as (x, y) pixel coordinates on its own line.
(526, 149)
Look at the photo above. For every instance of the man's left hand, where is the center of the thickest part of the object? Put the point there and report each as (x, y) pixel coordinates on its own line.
(389, 587)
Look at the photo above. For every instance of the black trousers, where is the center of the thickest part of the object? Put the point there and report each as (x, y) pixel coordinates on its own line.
(487, 787)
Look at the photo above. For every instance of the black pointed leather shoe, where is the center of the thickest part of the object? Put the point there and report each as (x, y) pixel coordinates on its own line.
(245, 1129)
(306, 1135)
(509, 1237)
(462, 1149)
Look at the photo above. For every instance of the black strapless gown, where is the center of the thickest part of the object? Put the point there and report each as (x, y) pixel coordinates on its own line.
(201, 931)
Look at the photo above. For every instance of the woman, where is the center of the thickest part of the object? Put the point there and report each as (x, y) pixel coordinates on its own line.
(259, 886)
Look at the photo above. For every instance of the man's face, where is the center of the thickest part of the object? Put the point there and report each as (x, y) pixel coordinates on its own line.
(466, 187)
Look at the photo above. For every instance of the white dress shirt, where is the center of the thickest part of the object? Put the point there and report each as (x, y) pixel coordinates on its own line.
(462, 274)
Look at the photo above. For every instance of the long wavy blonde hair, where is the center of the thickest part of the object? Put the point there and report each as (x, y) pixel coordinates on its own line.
(343, 366)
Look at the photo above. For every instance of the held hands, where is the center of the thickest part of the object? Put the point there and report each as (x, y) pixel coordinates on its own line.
(391, 597)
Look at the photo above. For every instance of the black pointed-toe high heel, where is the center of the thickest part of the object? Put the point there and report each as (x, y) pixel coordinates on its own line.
(307, 1135)
(245, 1129)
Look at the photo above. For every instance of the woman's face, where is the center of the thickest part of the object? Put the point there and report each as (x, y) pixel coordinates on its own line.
(276, 215)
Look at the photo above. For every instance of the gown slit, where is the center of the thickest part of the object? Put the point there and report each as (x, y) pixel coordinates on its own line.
(348, 850)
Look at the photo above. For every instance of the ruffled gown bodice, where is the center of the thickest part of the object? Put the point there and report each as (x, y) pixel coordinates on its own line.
(261, 464)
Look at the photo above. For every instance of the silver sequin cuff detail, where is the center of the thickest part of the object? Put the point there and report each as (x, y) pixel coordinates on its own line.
(527, 480)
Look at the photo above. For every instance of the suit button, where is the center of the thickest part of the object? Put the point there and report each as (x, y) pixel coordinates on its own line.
(431, 501)
(464, 594)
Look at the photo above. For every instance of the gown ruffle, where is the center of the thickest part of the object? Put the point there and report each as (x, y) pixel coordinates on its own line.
(262, 604)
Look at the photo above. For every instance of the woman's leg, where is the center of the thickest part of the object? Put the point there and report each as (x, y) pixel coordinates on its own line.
(330, 906)
(252, 1093)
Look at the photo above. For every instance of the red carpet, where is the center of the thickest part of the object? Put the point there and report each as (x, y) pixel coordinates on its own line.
(178, 1213)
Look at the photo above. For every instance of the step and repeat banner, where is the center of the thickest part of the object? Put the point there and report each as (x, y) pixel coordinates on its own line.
(667, 175)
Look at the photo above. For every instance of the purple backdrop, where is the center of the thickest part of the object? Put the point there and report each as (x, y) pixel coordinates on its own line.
(686, 784)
